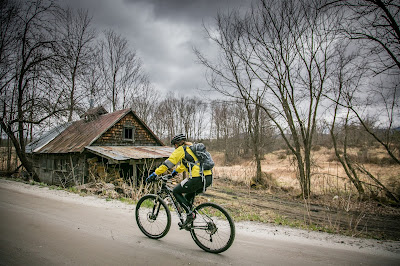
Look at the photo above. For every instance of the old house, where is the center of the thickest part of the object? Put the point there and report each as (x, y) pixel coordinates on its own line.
(100, 145)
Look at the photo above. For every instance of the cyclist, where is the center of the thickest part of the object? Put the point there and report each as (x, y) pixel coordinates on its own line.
(186, 161)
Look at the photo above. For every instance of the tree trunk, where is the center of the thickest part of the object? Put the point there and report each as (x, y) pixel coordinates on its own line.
(303, 178)
(382, 186)
(20, 151)
(256, 141)
(344, 160)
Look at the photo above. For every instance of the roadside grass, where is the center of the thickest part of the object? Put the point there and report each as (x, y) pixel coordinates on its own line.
(127, 201)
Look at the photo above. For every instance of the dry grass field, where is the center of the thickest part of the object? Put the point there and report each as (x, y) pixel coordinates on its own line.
(333, 207)
(6, 162)
(328, 174)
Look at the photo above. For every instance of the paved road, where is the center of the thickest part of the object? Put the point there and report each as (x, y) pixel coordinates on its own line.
(35, 230)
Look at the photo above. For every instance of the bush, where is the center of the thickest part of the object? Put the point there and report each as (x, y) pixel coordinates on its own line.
(316, 148)
(333, 158)
(394, 184)
(282, 156)
(266, 181)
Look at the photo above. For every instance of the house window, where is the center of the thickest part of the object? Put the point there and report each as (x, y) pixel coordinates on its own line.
(43, 163)
(46, 163)
(60, 164)
(128, 133)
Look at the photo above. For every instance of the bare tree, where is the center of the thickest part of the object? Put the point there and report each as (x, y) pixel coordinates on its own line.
(200, 121)
(167, 117)
(255, 132)
(178, 115)
(347, 81)
(191, 117)
(220, 115)
(9, 24)
(30, 97)
(92, 82)
(353, 169)
(373, 25)
(280, 51)
(342, 154)
(230, 129)
(144, 102)
(75, 52)
(121, 68)
(187, 113)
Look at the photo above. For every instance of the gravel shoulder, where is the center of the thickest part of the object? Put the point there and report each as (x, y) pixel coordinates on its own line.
(261, 232)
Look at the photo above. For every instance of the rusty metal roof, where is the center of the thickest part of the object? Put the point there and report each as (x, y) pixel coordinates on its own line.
(82, 133)
(39, 143)
(124, 153)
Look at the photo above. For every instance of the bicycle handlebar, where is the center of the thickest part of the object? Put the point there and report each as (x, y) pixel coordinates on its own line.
(164, 178)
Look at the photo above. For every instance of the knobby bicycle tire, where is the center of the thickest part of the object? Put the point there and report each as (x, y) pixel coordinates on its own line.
(213, 230)
(153, 216)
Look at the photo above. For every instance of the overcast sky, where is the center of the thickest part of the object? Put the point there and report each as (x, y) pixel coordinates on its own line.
(163, 32)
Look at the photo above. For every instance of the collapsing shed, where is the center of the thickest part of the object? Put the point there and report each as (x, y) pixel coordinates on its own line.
(79, 151)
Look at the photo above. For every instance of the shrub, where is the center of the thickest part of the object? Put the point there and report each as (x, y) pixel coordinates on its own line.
(316, 148)
(394, 185)
(282, 156)
(266, 181)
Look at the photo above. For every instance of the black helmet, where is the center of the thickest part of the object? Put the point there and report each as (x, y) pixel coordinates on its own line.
(178, 138)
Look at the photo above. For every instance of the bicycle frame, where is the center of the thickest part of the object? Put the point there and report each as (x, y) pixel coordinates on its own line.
(166, 192)
(213, 230)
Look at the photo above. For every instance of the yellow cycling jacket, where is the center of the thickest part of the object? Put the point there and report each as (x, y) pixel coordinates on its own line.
(177, 157)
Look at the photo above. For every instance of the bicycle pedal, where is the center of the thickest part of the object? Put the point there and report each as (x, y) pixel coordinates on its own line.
(186, 227)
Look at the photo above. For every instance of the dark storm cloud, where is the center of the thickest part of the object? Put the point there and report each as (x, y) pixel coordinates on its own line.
(163, 32)
(191, 11)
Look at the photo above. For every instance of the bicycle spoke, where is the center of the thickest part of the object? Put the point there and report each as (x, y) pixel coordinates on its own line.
(213, 229)
(153, 216)
(213, 242)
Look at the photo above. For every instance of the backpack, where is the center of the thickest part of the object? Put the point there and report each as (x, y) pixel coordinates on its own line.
(204, 157)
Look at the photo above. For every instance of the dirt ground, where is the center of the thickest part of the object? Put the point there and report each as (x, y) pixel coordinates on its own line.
(333, 207)
(261, 206)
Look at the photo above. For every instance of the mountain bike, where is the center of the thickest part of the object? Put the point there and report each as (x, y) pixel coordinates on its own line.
(213, 229)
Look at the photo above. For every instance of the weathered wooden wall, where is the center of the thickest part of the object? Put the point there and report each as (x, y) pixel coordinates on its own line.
(60, 169)
(114, 135)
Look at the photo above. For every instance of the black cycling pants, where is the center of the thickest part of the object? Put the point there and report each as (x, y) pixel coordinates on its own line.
(190, 187)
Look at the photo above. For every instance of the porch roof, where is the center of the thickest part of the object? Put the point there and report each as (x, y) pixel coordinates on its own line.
(126, 153)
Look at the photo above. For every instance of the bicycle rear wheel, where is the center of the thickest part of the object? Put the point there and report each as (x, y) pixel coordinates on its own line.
(213, 230)
(153, 216)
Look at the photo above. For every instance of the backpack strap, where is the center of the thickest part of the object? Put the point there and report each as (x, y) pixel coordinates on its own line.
(188, 157)
(188, 160)
(192, 163)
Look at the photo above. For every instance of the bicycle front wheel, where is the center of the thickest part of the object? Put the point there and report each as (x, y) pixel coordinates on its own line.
(153, 216)
(213, 230)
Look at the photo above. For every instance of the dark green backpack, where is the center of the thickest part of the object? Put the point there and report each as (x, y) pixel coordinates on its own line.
(203, 156)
